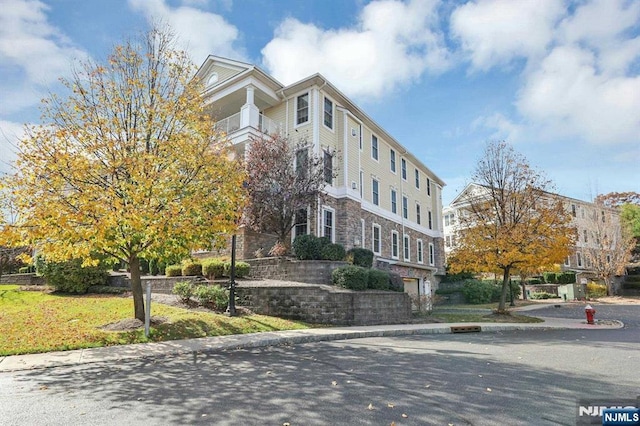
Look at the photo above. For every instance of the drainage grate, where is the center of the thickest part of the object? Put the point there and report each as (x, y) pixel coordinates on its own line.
(466, 329)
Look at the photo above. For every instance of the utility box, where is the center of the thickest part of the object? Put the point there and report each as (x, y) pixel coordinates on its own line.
(572, 291)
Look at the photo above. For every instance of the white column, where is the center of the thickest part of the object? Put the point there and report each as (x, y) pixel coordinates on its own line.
(249, 113)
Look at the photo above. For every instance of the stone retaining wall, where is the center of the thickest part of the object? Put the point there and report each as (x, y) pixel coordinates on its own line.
(287, 269)
(160, 284)
(325, 304)
(22, 279)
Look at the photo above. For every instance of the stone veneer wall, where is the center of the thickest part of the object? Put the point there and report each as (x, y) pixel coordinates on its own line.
(325, 304)
(247, 243)
(349, 234)
(22, 279)
(287, 269)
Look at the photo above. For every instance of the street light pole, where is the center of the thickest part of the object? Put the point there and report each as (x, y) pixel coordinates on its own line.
(231, 308)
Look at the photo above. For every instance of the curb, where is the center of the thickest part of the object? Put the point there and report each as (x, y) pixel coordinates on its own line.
(265, 339)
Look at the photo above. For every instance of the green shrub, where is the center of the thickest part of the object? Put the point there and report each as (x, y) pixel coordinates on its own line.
(106, 289)
(144, 266)
(542, 295)
(323, 241)
(566, 278)
(534, 281)
(212, 296)
(71, 277)
(153, 267)
(396, 283)
(213, 268)
(595, 290)
(351, 277)
(333, 252)
(191, 268)
(477, 292)
(460, 276)
(23, 270)
(162, 267)
(497, 291)
(307, 247)
(360, 257)
(377, 279)
(242, 269)
(184, 290)
(550, 277)
(173, 271)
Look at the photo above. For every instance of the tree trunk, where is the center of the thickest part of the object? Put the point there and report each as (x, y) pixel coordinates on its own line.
(136, 287)
(609, 283)
(505, 285)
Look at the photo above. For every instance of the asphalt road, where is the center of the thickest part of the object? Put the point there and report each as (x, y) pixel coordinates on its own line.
(530, 377)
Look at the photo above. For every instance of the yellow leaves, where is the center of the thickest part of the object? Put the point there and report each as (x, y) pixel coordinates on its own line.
(124, 170)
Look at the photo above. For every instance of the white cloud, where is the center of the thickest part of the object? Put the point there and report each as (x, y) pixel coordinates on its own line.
(579, 80)
(200, 33)
(393, 44)
(568, 94)
(494, 32)
(503, 127)
(33, 53)
(10, 133)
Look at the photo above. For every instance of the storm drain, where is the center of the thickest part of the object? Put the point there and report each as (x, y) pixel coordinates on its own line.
(466, 329)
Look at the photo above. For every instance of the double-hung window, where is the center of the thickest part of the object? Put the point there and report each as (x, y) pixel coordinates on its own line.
(394, 245)
(405, 207)
(403, 165)
(328, 167)
(302, 109)
(432, 255)
(375, 193)
(430, 220)
(394, 204)
(392, 157)
(374, 147)
(327, 224)
(418, 214)
(328, 113)
(417, 179)
(302, 162)
(376, 239)
(407, 251)
(300, 227)
(420, 251)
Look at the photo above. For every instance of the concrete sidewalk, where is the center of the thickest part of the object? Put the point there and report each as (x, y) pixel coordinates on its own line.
(255, 340)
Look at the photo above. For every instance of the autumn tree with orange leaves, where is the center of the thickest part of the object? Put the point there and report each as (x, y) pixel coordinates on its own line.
(511, 222)
(130, 165)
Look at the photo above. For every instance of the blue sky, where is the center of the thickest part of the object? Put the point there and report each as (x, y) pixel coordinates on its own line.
(559, 80)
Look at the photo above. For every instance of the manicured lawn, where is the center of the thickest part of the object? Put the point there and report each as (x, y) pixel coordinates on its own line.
(34, 321)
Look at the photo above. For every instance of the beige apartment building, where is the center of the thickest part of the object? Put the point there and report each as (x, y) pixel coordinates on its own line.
(382, 198)
(592, 222)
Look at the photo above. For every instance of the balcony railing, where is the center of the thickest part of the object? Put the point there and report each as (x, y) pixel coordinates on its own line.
(229, 125)
(267, 125)
(232, 123)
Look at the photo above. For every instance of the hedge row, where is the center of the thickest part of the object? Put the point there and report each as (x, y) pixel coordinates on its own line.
(358, 278)
(212, 268)
(310, 247)
(478, 292)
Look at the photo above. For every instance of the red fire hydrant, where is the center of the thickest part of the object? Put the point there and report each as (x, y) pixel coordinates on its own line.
(590, 314)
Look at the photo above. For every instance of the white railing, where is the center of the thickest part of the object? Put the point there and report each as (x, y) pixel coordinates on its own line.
(267, 125)
(233, 123)
(230, 124)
